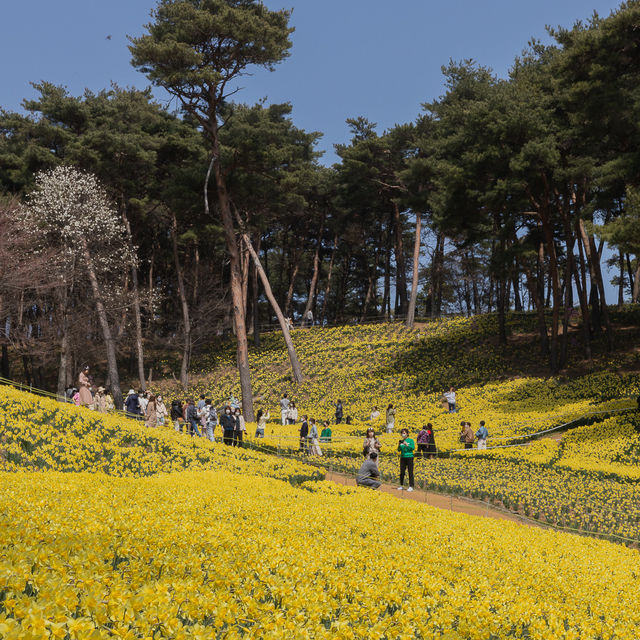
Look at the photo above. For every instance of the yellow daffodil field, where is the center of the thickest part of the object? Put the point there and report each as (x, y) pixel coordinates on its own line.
(109, 529)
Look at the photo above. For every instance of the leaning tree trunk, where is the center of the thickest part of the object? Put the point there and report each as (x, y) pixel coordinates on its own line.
(136, 298)
(295, 363)
(411, 313)
(224, 206)
(110, 344)
(186, 320)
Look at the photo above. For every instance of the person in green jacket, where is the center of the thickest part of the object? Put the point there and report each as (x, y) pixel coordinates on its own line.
(406, 447)
(325, 435)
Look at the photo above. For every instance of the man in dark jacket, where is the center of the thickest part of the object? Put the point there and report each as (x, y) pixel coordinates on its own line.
(132, 405)
(192, 417)
(228, 424)
(304, 434)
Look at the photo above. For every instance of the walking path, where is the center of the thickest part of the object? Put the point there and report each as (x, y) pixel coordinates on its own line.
(460, 505)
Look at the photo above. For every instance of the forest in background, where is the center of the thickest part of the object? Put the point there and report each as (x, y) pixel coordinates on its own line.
(219, 217)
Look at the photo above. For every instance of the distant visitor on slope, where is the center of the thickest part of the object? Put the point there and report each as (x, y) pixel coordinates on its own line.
(466, 435)
(177, 415)
(326, 434)
(284, 408)
(161, 411)
(371, 443)
(292, 413)
(314, 450)
(369, 474)
(339, 411)
(132, 405)
(84, 388)
(304, 434)
(391, 419)
(451, 399)
(482, 434)
(211, 419)
(150, 413)
(375, 414)
(239, 430)
(262, 418)
(426, 442)
(228, 424)
(406, 447)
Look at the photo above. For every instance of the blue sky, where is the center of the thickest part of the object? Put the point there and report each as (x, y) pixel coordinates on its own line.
(376, 58)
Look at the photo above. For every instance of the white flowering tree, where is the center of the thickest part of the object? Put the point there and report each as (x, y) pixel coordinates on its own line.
(69, 211)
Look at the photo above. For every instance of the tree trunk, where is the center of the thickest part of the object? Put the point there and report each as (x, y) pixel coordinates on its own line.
(136, 296)
(242, 350)
(636, 282)
(554, 287)
(437, 264)
(411, 312)
(295, 363)
(112, 362)
(401, 269)
(292, 282)
(327, 288)
(386, 294)
(593, 259)
(186, 320)
(254, 295)
(542, 323)
(6, 370)
(621, 281)
(196, 272)
(311, 300)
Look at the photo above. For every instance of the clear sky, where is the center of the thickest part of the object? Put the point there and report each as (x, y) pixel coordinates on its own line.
(377, 58)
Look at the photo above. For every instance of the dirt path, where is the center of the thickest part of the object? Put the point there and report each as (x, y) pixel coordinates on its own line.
(441, 501)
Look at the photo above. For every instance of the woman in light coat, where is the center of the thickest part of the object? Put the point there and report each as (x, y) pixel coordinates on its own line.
(314, 449)
(391, 418)
(84, 388)
(162, 412)
(150, 412)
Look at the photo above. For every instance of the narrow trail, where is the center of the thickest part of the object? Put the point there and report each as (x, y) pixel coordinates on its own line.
(459, 505)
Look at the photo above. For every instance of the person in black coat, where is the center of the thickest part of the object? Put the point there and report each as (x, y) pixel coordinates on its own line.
(132, 405)
(304, 435)
(228, 424)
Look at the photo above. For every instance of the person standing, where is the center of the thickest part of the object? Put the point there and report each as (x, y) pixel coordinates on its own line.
(313, 437)
(132, 405)
(406, 447)
(304, 434)
(423, 442)
(369, 474)
(292, 413)
(391, 419)
(228, 424)
(176, 415)
(325, 434)
(466, 435)
(100, 400)
(143, 399)
(211, 419)
(284, 408)
(239, 429)
(84, 388)
(262, 423)
(150, 413)
(431, 441)
(375, 414)
(161, 411)
(451, 399)
(371, 443)
(192, 418)
(339, 411)
(482, 434)
(201, 403)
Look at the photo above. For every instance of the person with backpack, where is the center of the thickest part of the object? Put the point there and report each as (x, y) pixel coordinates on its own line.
(406, 447)
(192, 418)
(211, 419)
(482, 434)
(228, 424)
(369, 474)
(177, 415)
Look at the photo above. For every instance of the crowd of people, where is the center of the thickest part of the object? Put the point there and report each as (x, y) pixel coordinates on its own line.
(201, 419)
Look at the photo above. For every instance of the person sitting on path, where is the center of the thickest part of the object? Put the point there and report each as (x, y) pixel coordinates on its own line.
(406, 447)
(369, 474)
